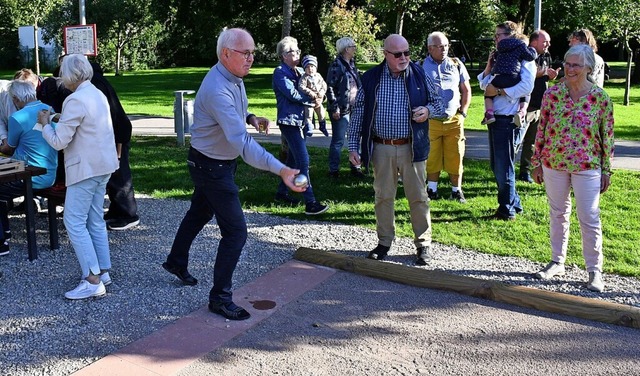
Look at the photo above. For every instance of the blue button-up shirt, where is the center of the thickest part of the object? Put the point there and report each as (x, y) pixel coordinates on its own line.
(447, 76)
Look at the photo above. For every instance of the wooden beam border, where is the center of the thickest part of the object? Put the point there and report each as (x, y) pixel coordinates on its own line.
(549, 301)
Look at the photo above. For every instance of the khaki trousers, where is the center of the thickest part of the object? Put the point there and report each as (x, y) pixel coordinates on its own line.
(389, 161)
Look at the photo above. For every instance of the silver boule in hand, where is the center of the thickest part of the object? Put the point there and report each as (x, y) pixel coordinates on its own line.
(300, 180)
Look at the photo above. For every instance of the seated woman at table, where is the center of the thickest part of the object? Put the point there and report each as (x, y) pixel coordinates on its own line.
(85, 132)
(24, 142)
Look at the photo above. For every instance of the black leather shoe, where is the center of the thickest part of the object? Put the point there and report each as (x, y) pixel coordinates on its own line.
(525, 177)
(501, 217)
(422, 256)
(229, 311)
(182, 274)
(357, 173)
(378, 253)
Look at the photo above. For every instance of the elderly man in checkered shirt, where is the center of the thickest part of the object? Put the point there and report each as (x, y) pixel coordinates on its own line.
(390, 128)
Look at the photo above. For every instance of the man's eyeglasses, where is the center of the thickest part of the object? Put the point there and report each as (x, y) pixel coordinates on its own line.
(574, 66)
(351, 46)
(497, 35)
(397, 55)
(440, 47)
(291, 52)
(245, 54)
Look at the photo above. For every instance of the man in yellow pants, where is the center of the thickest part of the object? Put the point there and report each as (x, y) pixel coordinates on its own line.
(447, 136)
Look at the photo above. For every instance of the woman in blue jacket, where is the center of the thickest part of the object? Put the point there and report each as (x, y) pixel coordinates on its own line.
(290, 103)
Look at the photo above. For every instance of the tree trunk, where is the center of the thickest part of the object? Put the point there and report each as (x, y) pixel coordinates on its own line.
(627, 86)
(118, 55)
(36, 47)
(311, 10)
(287, 14)
(399, 21)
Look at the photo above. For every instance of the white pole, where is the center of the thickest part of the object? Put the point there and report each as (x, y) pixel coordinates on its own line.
(83, 19)
(537, 15)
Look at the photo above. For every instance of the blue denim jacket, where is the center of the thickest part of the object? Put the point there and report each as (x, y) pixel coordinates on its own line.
(290, 102)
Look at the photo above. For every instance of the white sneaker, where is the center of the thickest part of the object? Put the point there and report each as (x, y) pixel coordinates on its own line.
(105, 278)
(86, 290)
(595, 282)
(551, 270)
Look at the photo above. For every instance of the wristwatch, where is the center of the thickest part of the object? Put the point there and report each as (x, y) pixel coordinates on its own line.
(499, 91)
(464, 114)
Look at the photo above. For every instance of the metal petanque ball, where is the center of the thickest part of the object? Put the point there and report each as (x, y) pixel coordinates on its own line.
(300, 180)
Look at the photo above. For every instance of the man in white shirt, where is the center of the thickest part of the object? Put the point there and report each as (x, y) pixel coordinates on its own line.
(503, 133)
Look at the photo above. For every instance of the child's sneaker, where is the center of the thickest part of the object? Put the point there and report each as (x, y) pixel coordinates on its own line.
(308, 131)
(488, 118)
(323, 128)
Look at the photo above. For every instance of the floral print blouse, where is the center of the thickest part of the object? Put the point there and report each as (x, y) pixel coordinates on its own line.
(575, 136)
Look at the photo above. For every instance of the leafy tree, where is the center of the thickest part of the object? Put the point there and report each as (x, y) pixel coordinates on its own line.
(518, 11)
(9, 14)
(125, 24)
(32, 13)
(400, 8)
(355, 23)
(620, 20)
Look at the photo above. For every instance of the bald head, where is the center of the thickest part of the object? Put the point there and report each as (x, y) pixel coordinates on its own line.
(395, 40)
(396, 53)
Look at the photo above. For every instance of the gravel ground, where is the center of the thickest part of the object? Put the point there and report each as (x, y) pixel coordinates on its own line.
(42, 333)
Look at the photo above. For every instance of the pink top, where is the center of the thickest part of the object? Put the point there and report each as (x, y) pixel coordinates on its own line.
(575, 136)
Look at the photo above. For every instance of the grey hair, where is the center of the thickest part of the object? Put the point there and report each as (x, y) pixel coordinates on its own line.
(343, 43)
(435, 34)
(75, 69)
(23, 90)
(285, 44)
(228, 38)
(587, 55)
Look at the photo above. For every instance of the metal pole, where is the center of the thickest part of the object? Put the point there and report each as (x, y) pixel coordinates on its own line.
(83, 19)
(537, 16)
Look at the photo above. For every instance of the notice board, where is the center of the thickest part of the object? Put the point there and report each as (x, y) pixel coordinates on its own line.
(81, 39)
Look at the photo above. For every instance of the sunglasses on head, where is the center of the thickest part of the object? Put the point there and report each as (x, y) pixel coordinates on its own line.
(397, 55)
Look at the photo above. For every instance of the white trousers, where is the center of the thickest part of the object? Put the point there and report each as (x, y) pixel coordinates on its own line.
(586, 190)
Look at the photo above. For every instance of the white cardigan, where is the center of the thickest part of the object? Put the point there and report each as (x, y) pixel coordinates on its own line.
(85, 133)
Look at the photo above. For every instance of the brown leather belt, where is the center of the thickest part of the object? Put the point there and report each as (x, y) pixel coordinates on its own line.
(397, 141)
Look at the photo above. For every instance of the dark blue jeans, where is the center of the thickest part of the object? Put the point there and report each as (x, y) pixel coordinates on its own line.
(215, 193)
(503, 136)
(338, 132)
(297, 158)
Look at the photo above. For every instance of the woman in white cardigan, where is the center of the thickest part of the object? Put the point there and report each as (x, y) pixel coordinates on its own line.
(85, 133)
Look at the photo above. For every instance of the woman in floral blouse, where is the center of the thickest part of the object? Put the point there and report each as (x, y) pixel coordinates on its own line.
(573, 149)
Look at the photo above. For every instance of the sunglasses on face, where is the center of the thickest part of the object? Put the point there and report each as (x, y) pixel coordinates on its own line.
(397, 55)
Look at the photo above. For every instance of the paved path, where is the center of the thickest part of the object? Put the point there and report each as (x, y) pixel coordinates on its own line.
(627, 154)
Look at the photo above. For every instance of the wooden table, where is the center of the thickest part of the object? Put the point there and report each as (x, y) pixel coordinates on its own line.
(30, 215)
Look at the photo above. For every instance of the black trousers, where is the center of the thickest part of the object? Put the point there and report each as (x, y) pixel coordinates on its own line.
(120, 190)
